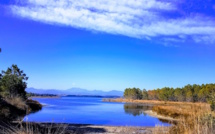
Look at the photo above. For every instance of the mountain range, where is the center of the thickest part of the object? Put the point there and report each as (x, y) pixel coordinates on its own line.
(75, 91)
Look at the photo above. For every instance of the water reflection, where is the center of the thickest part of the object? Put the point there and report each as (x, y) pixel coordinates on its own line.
(136, 109)
(139, 109)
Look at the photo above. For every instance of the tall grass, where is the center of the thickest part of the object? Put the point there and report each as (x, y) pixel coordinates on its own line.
(17, 102)
(183, 109)
(194, 118)
(196, 124)
(32, 128)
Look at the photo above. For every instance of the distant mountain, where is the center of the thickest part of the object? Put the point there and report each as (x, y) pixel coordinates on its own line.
(75, 91)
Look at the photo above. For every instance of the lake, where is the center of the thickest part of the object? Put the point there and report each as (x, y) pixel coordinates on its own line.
(92, 110)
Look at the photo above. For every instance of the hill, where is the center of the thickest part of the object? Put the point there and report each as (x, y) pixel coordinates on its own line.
(75, 91)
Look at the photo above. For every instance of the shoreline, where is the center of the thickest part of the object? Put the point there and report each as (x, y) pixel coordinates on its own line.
(147, 103)
(49, 97)
(154, 114)
(107, 129)
(91, 129)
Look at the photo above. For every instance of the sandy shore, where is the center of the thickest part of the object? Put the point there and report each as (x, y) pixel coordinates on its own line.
(91, 129)
(154, 114)
(101, 129)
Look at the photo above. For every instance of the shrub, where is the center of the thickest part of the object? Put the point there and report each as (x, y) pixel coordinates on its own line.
(33, 105)
(17, 102)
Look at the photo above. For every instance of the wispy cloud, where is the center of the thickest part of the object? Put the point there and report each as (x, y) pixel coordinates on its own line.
(133, 18)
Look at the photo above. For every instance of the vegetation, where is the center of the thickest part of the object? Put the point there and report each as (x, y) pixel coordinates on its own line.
(41, 95)
(188, 93)
(189, 105)
(193, 118)
(13, 83)
(193, 106)
(188, 117)
(33, 128)
(178, 103)
(14, 105)
(133, 93)
(13, 98)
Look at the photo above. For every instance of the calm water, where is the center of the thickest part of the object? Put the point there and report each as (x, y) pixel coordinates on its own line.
(91, 110)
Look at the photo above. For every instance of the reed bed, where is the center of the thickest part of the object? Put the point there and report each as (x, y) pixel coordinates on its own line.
(193, 118)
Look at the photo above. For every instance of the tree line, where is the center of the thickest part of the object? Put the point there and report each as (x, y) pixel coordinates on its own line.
(40, 95)
(188, 93)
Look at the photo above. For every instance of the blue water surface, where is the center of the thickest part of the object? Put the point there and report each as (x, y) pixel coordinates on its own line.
(92, 110)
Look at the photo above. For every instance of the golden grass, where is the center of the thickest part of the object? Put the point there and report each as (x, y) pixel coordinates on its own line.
(32, 128)
(169, 108)
(155, 102)
(194, 118)
(177, 110)
(17, 102)
(203, 123)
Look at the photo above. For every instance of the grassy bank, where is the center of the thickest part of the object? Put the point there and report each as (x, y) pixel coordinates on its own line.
(32, 128)
(12, 109)
(193, 118)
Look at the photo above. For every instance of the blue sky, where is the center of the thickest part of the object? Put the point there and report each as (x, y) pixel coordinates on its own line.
(109, 45)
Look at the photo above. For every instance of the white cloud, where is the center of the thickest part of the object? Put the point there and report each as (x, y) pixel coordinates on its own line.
(207, 39)
(133, 18)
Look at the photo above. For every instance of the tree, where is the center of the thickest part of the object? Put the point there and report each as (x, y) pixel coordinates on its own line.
(211, 95)
(166, 94)
(144, 94)
(211, 100)
(133, 93)
(179, 94)
(13, 82)
(196, 89)
(153, 94)
(189, 92)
